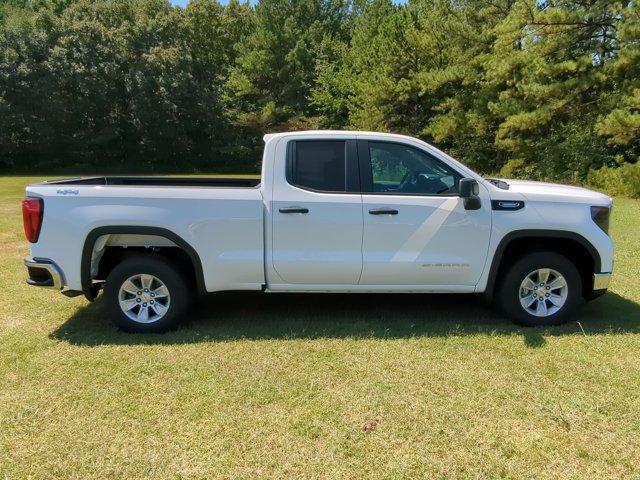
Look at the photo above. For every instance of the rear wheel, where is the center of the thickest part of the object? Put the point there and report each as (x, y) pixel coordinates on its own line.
(539, 289)
(146, 293)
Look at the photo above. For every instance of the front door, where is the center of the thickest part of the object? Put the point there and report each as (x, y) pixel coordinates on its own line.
(416, 229)
(317, 214)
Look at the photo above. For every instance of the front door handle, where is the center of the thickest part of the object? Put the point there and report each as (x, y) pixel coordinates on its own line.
(383, 211)
(294, 210)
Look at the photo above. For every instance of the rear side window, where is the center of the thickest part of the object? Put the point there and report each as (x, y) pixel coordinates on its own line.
(318, 165)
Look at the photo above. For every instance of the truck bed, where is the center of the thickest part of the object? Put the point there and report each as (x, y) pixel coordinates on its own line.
(157, 181)
(221, 219)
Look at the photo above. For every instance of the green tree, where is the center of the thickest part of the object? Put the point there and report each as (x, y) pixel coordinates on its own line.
(538, 88)
(620, 122)
(417, 70)
(276, 66)
(549, 64)
(138, 83)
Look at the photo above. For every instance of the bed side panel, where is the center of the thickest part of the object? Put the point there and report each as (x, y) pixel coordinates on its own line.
(223, 225)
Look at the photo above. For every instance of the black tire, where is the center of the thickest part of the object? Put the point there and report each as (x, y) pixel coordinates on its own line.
(508, 297)
(165, 271)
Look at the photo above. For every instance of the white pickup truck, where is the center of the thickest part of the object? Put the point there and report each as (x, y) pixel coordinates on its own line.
(335, 211)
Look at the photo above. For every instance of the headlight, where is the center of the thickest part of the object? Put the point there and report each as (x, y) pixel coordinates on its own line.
(600, 216)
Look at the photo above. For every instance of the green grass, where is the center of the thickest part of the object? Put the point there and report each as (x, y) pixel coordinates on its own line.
(259, 386)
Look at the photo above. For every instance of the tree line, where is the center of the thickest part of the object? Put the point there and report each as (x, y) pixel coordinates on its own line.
(532, 88)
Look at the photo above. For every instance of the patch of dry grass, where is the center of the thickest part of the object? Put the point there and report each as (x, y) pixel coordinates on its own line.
(258, 386)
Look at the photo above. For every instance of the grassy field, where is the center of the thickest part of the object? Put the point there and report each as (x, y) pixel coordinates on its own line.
(259, 386)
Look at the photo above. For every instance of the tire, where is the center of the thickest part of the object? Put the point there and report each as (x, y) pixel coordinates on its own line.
(126, 284)
(549, 302)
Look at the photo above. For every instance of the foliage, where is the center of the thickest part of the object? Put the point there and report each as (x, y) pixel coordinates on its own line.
(543, 89)
(116, 84)
(624, 180)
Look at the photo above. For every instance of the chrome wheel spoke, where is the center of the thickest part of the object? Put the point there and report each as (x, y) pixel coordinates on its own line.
(543, 275)
(558, 282)
(527, 301)
(146, 281)
(130, 287)
(528, 284)
(543, 292)
(143, 314)
(159, 308)
(541, 309)
(161, 292)
(148, 293)
(128, 304)
(556, 300)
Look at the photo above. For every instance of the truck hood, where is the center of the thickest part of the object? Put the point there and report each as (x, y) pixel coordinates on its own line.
(555, 192)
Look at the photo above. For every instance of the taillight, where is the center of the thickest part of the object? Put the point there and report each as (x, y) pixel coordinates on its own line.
(601, 215)
(32, 210)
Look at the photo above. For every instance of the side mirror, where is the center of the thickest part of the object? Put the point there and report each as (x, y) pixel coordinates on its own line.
(469, 191)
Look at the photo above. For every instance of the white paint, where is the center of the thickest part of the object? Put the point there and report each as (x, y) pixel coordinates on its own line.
(244, 243)
(419, 240)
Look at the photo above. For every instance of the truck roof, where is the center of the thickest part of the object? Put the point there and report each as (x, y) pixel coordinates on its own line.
(270, 136)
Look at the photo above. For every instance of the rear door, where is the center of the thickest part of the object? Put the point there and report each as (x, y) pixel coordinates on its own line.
(416, 229)
(317, 219)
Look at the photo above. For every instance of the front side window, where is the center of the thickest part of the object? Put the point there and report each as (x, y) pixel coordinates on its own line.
(318, 165)
(400, 169)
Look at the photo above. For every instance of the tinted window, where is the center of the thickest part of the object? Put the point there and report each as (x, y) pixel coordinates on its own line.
(318, 165)
(401, 169)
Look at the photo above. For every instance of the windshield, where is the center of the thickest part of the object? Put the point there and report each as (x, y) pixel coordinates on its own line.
(498, 183)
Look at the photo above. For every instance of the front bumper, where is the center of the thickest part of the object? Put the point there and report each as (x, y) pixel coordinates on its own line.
(601, 281)
(44, 273)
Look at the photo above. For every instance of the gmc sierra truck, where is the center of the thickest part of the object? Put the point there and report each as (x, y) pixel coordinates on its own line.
(334, 211)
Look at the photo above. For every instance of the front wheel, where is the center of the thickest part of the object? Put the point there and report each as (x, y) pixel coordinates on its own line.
(146, 293)
(540, 289)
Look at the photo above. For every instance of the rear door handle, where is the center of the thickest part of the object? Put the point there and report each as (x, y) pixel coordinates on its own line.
(294, 210)
(383, 211)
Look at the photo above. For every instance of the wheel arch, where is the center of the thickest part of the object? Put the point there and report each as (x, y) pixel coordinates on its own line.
(89, 289)
(573, 245)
